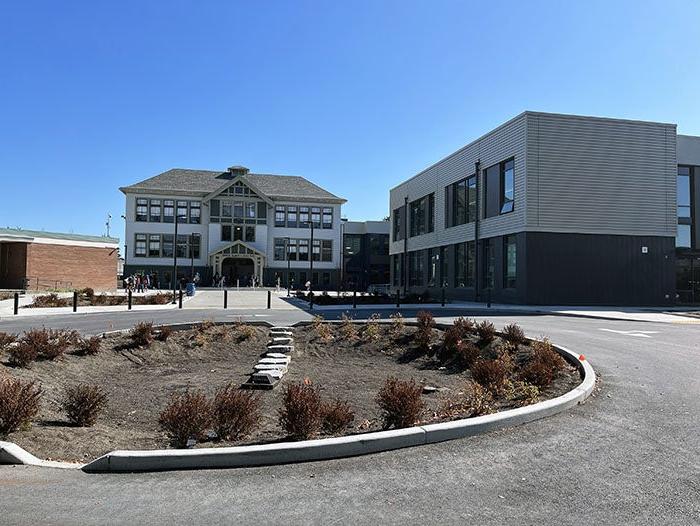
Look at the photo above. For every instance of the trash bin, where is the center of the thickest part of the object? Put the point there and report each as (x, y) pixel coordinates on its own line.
(190, 289)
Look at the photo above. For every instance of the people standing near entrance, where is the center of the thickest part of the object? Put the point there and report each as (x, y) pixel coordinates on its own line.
(308, 286)
(223, 282)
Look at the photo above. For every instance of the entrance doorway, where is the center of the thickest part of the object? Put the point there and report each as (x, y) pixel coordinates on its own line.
(688, 279)
(241, 269)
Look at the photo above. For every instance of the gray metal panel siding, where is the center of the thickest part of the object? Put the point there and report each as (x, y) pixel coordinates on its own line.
(688, 148)
(508, 140)
(600, 176)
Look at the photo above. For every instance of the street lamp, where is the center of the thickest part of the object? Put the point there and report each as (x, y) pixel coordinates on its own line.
(177, 220)
(286, 254)
(311, 255)
(192, 235)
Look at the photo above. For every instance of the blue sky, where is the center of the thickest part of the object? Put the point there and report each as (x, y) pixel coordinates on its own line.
(355, 96)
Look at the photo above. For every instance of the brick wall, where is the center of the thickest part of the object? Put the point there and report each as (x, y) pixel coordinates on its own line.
(71, 266)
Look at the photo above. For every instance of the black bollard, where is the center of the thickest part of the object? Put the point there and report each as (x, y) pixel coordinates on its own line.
(269, 298)
(129, 299)
(354, 299)
(488, 298)
(179, 301)
(16, 303)
(443, 297)
(311, 301)
(398, 300)
(75, 300)
(225, 299)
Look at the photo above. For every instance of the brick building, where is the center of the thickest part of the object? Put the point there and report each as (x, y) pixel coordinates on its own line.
(47, 260)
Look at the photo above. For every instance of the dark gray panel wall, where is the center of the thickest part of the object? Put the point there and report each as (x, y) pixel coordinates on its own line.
(585, 269)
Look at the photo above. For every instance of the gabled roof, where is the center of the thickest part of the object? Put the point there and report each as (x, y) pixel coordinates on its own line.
(204, 182)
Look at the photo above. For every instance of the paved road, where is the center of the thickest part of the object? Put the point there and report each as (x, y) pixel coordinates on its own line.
(627, 456)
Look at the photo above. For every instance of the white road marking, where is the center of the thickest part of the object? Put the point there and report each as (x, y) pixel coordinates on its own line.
(636, 334)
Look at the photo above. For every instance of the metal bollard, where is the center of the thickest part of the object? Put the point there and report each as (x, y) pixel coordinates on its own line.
(75, 301)
(443, 297)
(488, 298)
(225, 299)
(129, 299)
(269, 298)
(16, 303)
(398, 301)
(354, 299)
(311, 301)
(179, 301)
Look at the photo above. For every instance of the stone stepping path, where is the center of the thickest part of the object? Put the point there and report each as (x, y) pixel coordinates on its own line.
(274, 364)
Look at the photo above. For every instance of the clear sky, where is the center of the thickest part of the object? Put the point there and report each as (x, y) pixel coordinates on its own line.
(356, 96)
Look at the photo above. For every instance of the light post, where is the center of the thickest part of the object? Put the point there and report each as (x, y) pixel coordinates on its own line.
(311, 255)
(286, 255)
(125, 251)
(192, 235)
(177, 220)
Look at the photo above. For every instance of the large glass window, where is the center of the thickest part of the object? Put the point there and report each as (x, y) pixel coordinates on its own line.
(182, 211)
(444, 266)
(461, 265)
(489, 264)
(510, 260)
(420, 218)
(684, 210)
(168, 245)
(304, 217)
(154, 210)
(280, 248)
(416, 268)
(460, 202)
(279, 216)
(507, 186)
(168, 211)
(292, 216)
(303, 245)
(327, 250)
(293, 249)
(397, 222)
(195, 212)
(238, 209)
(434, 260)
(226, 209)
(194, 244)
(250, 210)
(140, 246)
(316, 217)
(316, 250)
(141, 209)
(353, 244)
(683, 236)
(154, 245)
(327, 218)
(471, 199)
(182, 241)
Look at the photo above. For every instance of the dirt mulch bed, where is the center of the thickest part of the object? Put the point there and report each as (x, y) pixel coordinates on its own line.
(139, 382)
(99, 300)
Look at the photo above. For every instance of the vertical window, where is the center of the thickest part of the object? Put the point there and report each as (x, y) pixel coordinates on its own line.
(226, 232)
(293, 249)
(316, 250)
(194, 240)
(431, 213)
(509, 266)
(292, 216)
(416, 268)
(280, 249)
(471, 256)
(398, 223)
(250, 234)
(226, 209)
(279, 216)
(181, 247)
(327, 218)
(327, 250)
(444, 265)
(154, 211)
(316, 217)
(182, 211)
(433, 266)
(167, 245)
(461, 265)
(471, 199)
(489, 264)
(141, 209)
(250, 210)
(684, 199)
(195, 212)
(683, 236)
(238, 209)
(460, 208)
(237, 233)
(507, 186)
(303, 249)
(304, 217)
(154, 245)
(168, 211)
(140, 246)
(421, 212)
(396, 262)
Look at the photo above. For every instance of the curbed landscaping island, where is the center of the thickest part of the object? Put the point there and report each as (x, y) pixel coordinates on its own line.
(425, 374)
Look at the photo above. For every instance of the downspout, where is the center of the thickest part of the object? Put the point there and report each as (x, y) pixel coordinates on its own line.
(405, 245)
(477, 247)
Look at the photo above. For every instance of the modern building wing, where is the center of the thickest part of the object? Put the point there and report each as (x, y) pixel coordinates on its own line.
(243, 226)
(550, 209)
(365, 254)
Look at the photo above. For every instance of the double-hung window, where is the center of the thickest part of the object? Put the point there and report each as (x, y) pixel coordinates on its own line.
(168, 211)
(182, 211)
(280, 249)
(279, 216)
(327, 218)
(140, 246)
(303, 249)
(316, 250)
(154, 211)
(292, 216)
(195, 212)
(141, 209)
(154, 245)
(316, 216)
(327, 250)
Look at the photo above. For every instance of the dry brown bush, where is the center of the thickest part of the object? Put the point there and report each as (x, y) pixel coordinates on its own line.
(300, 415)
(486, 331)
(89, 346)
(336, 416)
(20, 401)
(83, 403)
(142, 334)
(348, 330)
(371, 330)
(400, 402)
(397, 324)
(235, 412)
(489, 373)
(187, 415)
(513, 334)
(474, 400)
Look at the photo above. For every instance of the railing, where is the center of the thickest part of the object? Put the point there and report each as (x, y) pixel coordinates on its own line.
(37, 283)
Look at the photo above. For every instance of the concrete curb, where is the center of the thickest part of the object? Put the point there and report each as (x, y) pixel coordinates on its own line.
(326, 448)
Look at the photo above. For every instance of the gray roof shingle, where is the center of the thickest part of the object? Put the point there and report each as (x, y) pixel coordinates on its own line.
(179, 180)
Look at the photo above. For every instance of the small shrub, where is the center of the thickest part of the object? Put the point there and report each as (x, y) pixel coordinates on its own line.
(424, 333)
(348, 330)
(324, 332)
(522, 393)
(159, 298)
(467, 353)
(336, 416)
(544, 363)
(465, 326)
(83, 403)
(489, 373)
(473, 401)
(6, 340)
(187, 415)
(300, 415)
(513, 334)
(205, 326)
(243, 331)
(235, 412)
(317, 321)
(451, 340)
(49, 300)
(89, 346)
(88, 292)
(19, 403)
(23, 354)
(397, 324)
(142, 334)
(164, 333)
(400, 402)
(371, 330)
(41, 343)
(486, 331)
